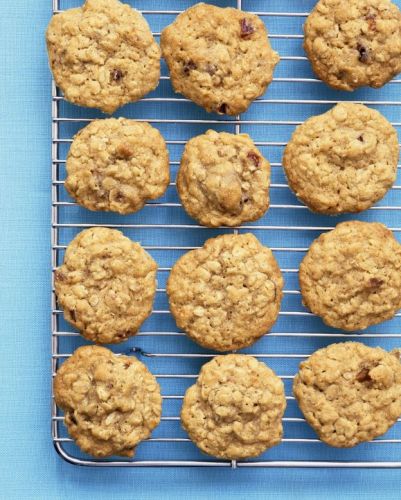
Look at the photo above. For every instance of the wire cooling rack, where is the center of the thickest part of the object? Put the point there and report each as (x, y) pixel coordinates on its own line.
(167, 232)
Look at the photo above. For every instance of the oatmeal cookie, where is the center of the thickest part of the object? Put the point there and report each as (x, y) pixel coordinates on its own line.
(342, 161)
(223, 179)
(235, 409)
(103, 55)
(351, 276)
(349, 393)
(110, 402)
(117, 165)
(106, 285)
(219, 58)
(226, 294)
(354, 44)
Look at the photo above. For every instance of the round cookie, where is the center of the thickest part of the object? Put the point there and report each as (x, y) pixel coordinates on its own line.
(344, 160)
(354, 44)
(235, 409)
(219, 58)
(223, 179)
(106, 285)
(351, 276)
(349, 393)
(110, 402)
(117, 165)
(103, 55)
(226, 294)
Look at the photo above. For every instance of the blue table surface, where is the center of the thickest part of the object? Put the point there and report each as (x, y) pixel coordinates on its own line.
(29, 467)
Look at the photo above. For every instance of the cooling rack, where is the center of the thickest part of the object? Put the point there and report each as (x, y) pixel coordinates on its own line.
(167, 232)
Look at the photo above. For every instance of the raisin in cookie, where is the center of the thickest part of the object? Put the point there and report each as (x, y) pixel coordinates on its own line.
(103, 55)
(223, 179)
(349, 393)
(226, 294)
(351, 276)
(354, 44)
(219, 58)
(110, 402)
(342, 161)
(235, 409)
(106, 285)
(117, 165)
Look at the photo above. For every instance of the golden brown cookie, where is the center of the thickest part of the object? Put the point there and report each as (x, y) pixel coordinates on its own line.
(103, 54)
(349, 392)
(235, 409)
(351, 276)
(226, 294)
(342, 161)
(117, 165)
(223, 179)
(110, 402)
(219, 58)
(106, 285)
(353, 44)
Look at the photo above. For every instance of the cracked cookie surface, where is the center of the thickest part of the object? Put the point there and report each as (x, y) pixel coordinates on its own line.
(219, 58)
(117, 165)
(349, 393)
(344, 160)
(235, 409)
(106, 285)
(351, 276)
(223, 179)
(110, 402)
(354, 44)
(103, 55)
(226, 294)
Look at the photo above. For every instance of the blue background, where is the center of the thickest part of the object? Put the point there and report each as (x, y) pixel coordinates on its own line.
(29, 466)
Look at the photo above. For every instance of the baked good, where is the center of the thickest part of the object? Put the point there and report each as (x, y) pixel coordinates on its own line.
(103, 54)
(110, 402)
(235, 408)
(342, 161)
(354, 43)
(226, 294)
(351, 276)
(219, 58)
(223, 179)
(106, 285)
(349, 393)
(117, 165)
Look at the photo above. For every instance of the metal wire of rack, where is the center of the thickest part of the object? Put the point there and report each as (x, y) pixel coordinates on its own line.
(166, 232)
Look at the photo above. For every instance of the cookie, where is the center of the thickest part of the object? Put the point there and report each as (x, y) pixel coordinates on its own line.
(110, 402)
(226, 294)
(351, 276)
(219, 58)
(223, 179)
(106, 285)
(342, 161)
(117, 165)
(235, 409)
(354, 44)
(349, 393)
(103, 55)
